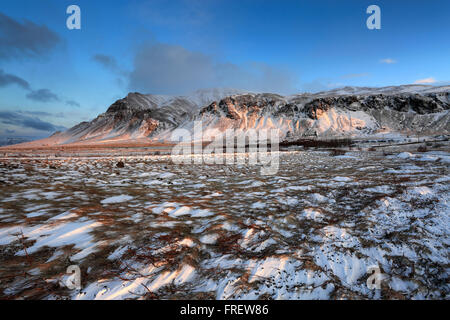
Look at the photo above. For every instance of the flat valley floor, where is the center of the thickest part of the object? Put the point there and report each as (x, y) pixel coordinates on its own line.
(158, 230)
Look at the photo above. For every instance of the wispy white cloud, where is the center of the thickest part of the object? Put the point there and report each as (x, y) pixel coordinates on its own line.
(388, 61)
(426, 81)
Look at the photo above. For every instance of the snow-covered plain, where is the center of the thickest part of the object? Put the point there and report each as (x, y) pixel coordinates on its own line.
(155, 229)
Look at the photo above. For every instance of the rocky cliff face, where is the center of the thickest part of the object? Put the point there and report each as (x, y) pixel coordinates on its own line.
(358, 113)
(347, 111)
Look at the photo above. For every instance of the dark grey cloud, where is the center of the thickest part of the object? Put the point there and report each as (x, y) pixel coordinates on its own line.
(42, 95)
(106, 61)
(73, 103)
(26, 121)
(25, 39)
(8, 79)
(170, 69)
(110, 64)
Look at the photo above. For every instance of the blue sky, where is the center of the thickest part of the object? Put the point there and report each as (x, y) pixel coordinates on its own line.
(52, 77)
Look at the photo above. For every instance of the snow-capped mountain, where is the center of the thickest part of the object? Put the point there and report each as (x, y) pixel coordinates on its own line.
(355, 111)
(143, 115)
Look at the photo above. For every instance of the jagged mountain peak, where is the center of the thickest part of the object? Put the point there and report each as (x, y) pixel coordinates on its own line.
(195, 100)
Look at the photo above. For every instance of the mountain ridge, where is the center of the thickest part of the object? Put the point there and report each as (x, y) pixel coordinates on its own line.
(347, 111)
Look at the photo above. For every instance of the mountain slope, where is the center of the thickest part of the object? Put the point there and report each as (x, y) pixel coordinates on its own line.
(348, 111)
(138, 116)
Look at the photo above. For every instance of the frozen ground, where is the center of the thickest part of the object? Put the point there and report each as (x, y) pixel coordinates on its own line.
(154, 229)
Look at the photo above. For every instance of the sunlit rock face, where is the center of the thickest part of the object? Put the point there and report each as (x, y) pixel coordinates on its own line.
(348, 112)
